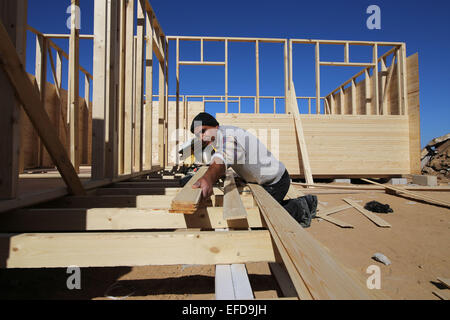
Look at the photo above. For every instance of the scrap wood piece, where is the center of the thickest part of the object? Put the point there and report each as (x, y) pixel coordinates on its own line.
(335, 221)
(30, 99)
(412, 194)
(292, 102)
(321, 274)
(188, 199)
(371, 216)
(369, 188)
(327, 212)
(444, 281)
(233, 208)
(443, 294)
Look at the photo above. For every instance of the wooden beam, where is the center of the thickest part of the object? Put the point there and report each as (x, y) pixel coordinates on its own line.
(41, 79)
(375, 92)
(128, 107)
(29, 97)
(188, 199)
(257, 75)
(322, 275)
(134, 249)
(412, 194)
(335, 221)
(73, 94)
(148, 132)
(233, 208)
(100, 84)
(161, 113)
(103, 219)
(329, 211)
(370, 215)
(318, 64)
(300, 136)
(226, 79)
(444, 281)
(121, 89)
(138, 147)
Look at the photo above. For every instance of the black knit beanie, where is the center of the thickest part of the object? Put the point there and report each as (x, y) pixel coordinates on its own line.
(206, 120)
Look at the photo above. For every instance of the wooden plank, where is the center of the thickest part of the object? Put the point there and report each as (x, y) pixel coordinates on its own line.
(188, 199)
(161, 113)
(73, 94)
(138, 147)
(445, 281)
(233, 208)
(322, 275)
(335, 221)
(375, 92)
(128, 107)
(134, 249)
(442, 294)
(370, 215)
(412, 194)
(318, 64)
(241, 283)
(257, 75)
(99, 93)
(329, 211)
(223, 281)
(29, 97)
(102, 219)
(148, 93)
(300, 136)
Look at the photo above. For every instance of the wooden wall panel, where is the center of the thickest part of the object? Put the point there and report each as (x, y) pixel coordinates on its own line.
(337, 145)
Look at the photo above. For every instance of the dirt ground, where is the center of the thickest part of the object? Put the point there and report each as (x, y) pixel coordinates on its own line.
(418, 245)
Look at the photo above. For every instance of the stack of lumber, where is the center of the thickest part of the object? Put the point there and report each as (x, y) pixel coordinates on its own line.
(187, 201)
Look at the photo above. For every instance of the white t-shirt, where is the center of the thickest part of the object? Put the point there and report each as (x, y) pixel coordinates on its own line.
(247, 155)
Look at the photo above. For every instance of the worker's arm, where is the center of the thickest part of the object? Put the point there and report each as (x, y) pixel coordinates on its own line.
(214, 172)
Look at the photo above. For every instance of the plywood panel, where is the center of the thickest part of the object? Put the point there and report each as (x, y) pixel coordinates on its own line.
(337, 145)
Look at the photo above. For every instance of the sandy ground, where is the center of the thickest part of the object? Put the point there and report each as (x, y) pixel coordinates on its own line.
(418, 245)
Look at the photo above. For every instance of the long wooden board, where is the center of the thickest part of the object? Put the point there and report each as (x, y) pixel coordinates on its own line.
(53, 250)
(293, 105)
(371, 216)
(412, 194)
(335, 221)
(322, 275)
(96, 219)
(188, 199)
(233, 208)
(31, 102)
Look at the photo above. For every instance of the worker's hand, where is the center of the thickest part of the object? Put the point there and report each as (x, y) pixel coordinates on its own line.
(205, 185)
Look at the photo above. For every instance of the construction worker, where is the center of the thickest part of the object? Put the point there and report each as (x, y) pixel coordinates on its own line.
(249, 158)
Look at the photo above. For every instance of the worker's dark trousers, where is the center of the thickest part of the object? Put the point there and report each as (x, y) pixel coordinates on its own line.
(302, 209)
(279, 190)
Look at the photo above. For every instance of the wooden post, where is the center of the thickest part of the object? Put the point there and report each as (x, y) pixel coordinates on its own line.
(399, 80)
(73, 95)
(257, 75)
(121, 106)
(333, 104)
(375, 93)
(41, 79)
(139, 84)
(367, 92)
(99, 92)
(317, 78)
(13, 15)
(404, 80)
(161, 110)
(148, 93)
(342, 100)
(128, 107)
(347, 53)
(166, 102)
(286, 71)
(226, 76)
(178, 88)
(353, 93)
(383, 84)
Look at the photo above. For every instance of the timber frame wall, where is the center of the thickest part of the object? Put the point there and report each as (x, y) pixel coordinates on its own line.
(125, 132)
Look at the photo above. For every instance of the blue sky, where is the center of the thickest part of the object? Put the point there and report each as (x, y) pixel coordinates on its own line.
(424, 26)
